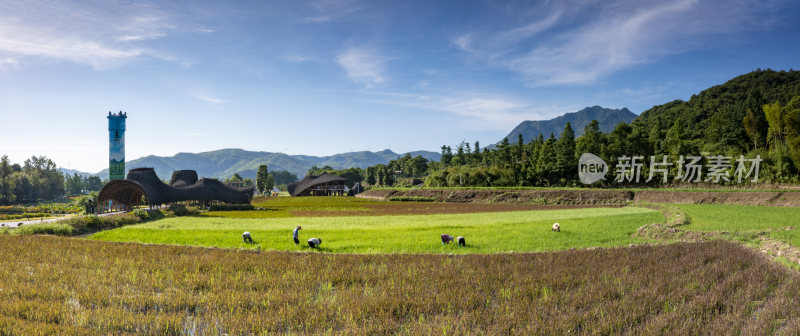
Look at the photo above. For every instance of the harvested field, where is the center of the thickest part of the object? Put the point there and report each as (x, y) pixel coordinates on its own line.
(594, 196)
(535, 196)
(75, 286)
(737, 198)
(430, 208)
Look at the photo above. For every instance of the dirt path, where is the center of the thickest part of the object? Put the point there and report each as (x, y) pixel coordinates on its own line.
(676, 217)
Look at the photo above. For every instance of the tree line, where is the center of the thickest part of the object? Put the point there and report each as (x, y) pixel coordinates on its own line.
(753, 120)
(554, 161)
(37, 179)
(266, 180)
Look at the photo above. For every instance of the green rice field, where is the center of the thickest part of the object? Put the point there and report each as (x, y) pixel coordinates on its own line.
(485, 232)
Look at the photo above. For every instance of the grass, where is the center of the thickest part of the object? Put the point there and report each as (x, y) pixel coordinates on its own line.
(484, 232)
(718, 217)
(82, 287)
(746, 221)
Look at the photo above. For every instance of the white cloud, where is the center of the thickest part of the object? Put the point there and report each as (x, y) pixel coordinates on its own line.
(8, 63)
(590, 40)
(363, 66)
(331, 10)
(294, 58)
(102, 36)
(463, 42)
(210, 99)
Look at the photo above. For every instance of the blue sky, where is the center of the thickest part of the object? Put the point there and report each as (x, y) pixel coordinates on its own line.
(325, 77)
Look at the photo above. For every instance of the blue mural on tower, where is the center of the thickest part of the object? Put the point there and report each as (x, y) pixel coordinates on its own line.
(116, 145)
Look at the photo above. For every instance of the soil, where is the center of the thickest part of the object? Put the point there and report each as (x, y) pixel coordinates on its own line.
(542, 197)
(700, 197)
(593, 196)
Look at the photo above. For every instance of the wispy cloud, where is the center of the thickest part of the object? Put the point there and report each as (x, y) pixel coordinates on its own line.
(480, 111)
(210, 99)
(8, 63)
(463, 42)
(363, 65)
(590, 40)
(101, 36)
(331, 10)
(295, 58)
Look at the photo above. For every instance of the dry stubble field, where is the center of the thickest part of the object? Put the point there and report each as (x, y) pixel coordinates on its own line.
(77, 286)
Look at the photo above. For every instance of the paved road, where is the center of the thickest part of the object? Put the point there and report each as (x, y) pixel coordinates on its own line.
(20, 222)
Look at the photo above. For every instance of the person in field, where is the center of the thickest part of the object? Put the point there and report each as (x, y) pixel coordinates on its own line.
(296, 235)
(246, 237)
(446, 238)
(461, 241)
(556, 227)
(314, 242)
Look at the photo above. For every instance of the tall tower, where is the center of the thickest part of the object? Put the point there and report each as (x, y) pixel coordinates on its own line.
(116, 145)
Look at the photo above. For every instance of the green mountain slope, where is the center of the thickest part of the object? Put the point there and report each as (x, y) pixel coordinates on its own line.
(712, 120)
(224, 163)
(608, 119)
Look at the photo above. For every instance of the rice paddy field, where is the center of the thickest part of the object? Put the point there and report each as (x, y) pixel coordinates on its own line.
(382, 269)
(491, 232)
(86, 287)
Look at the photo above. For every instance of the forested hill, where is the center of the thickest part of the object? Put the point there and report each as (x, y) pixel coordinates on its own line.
(224, 163)
(606, 117)
(714, 119)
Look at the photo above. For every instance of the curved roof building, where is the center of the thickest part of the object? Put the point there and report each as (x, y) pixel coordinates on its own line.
(184, 186)
(322, 185)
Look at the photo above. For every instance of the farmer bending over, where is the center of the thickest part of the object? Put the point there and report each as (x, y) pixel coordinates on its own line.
(446, 238)
(556, 227)
(461, 241)
(296, 235)
(314, 242)
(246, 237)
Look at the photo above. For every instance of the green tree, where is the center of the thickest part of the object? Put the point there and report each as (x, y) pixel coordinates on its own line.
(73, 184)
(269, 183)
(93, 183)
(261, 179)
(547, 168)
(447, 155)
(476, 154)
(7, 195)
(380, 175)
(791, 116)
(753, 126)
(283, 177)
(371, 176)
(24, 190)
(592, 140)
(565, 154)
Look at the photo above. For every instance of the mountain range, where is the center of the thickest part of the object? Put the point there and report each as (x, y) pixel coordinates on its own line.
(606, 117)
(224, 163)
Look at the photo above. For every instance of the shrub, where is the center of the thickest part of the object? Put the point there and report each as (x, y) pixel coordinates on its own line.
(412, 199)
(182, 210)
(57, 229)
(92, 223)
(231, 207)
(24, 215)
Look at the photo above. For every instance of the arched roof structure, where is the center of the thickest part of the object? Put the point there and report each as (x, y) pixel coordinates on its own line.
(184, 186)
(122, 191)
(323, 184)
